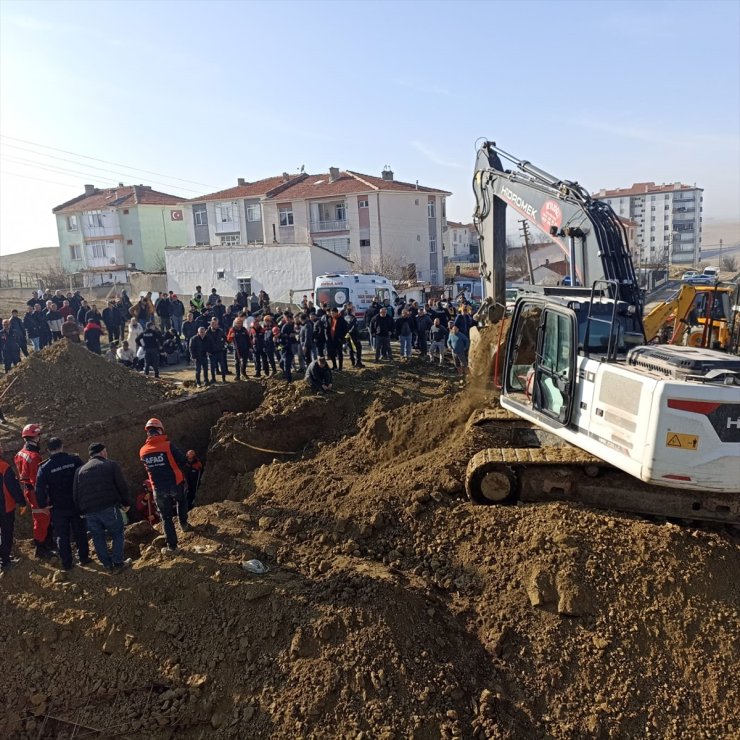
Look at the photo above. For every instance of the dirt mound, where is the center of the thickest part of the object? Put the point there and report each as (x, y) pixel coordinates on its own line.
(392, 607)
(65, 383)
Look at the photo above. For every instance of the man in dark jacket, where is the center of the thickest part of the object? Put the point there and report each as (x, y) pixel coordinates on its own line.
(405, 331)
(10, 351)
(164, 464)
(32, 327)
(163, 309)
(18, 331)
(288, 336)
(318, 375)
(55, 488)
(189, 330)
(198, 351)
(177, 309)
(306, 339)
(381, 328)
(354, 343)
(151, 340)
(336, 331)
(112, 320)
(216, 346)
(239, 335)
(10, 497)
(423, 325)
(99, 493)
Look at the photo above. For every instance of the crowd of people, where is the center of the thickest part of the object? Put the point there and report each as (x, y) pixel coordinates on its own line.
(69, 498)
(213, 336)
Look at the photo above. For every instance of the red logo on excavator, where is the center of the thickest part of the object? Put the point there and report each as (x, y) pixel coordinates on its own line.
(551, 215)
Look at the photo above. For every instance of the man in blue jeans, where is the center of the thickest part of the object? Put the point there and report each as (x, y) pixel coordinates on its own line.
(100, 493)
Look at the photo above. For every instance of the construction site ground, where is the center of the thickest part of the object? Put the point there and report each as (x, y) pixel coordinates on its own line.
(392, 606)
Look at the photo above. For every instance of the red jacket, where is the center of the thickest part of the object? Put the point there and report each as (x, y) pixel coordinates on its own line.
(12, 494)
(27, 461)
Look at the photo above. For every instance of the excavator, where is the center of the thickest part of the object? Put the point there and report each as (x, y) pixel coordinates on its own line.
(588, 410)
(697, 316)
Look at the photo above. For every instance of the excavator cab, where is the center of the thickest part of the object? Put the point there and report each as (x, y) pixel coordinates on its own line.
(541, 358)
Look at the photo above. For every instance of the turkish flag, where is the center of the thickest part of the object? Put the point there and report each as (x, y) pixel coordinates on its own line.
(176, 215)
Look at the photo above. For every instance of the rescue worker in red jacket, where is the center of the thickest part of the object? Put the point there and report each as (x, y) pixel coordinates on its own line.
(164, 463)
(10, 495)
(27, 462)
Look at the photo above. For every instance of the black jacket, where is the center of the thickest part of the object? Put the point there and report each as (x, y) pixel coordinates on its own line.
(150, 340)
(340, 331)
(198, 347)
(381, 326)
(55, 481)
(98, 485)
(318, 375)
(215, 341)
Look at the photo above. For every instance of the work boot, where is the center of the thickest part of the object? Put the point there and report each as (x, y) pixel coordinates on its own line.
(42, 551)
(186, 527)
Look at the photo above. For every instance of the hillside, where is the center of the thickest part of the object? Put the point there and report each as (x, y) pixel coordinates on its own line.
(43, 259)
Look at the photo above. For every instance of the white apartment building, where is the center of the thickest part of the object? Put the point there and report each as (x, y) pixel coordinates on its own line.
(462, 240)
(379, 223)
(668, 220)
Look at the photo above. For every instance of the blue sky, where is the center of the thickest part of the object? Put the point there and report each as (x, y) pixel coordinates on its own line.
(606, 93)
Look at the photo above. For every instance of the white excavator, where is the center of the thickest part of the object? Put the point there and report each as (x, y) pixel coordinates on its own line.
(583, 398)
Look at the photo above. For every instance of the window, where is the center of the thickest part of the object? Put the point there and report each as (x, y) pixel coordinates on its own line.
(75, 253)
(72, 223)
(94, 219)
(244, 284)
(416, 202)
(364, 242)
(666, 207)
(652, 238)
(430, 209)
(432, 244)
(286, 215)
(254, 213)
(340, 212)
(229, 239)
(362, 204)
(432, 261)
(200, 218)
(97, 250)
(418, 237)
(125, 211)
(433, 277)
(444, 208)
(202, 244)
(225, 213)
(666, 227)
(129, 242)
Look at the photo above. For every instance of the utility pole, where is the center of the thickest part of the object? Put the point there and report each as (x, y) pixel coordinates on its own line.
(524, 231)
(720, 255)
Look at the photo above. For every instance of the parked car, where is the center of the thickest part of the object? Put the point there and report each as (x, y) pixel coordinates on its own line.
(688, 275)
(713, 272)
(702, 280)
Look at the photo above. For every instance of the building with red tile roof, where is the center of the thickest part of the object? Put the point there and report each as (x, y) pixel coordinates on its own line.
(109, 231)
(381, 223)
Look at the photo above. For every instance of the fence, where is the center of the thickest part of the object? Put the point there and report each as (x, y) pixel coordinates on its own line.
(40, 281)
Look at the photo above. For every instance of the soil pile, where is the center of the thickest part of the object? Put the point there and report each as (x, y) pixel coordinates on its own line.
(392, 607)
(66, 382)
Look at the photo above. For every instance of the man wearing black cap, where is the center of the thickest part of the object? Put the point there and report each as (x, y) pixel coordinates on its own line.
(54, 487)
(100, 493)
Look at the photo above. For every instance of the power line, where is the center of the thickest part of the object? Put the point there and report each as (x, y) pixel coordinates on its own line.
(39, 179)
(93, 167)
(51, 168)
(105, 161)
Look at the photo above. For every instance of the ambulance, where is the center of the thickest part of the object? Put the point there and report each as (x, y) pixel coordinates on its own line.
(357, 289)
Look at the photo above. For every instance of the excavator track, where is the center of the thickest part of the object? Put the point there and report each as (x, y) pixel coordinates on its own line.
(538, 471)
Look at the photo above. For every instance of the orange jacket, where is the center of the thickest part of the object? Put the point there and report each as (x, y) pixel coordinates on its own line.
(12, 494)
(163, 462)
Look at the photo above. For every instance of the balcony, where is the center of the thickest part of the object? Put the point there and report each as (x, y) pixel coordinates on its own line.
(341, 225)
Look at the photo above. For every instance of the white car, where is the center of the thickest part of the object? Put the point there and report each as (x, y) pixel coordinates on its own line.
(686, 277)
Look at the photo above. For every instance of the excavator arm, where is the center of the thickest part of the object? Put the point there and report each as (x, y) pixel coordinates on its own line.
(678, 305)
(592, 238)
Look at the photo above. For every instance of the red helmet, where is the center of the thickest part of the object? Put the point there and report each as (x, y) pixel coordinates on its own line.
(31, 430)
(275, 331)
(154, 424)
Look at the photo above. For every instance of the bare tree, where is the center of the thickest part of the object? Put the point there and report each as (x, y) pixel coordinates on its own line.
(729, 263)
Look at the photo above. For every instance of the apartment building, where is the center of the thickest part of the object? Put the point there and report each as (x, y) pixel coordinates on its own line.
(668, 220)
(462, 240)
(111, 230)
(377, 222)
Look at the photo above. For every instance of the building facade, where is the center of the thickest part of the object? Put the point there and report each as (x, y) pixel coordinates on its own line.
(278, 269)
(381, 224)
(112, 230)
(462, 242)
(668, 220)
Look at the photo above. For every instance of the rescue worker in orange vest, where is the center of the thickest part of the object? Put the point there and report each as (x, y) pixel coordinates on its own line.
(10, 495)
(27, 462)
(164, 463)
